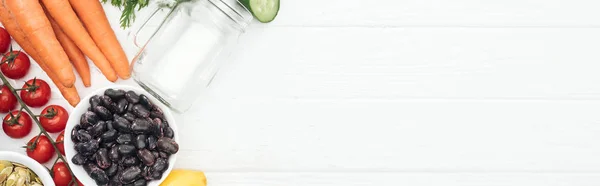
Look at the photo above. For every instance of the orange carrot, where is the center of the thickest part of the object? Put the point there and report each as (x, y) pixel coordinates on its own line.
(75, 55)
(93, 17)
(70, 94)
(34, 24)
(64, 15)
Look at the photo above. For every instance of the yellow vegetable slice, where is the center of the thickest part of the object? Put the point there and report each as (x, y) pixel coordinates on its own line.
(180, 177)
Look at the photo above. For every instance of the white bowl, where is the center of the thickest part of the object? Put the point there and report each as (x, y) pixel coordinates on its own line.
(36, 167)
(83, 106)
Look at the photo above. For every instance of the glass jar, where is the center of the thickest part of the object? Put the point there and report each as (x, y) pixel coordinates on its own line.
(183, 54)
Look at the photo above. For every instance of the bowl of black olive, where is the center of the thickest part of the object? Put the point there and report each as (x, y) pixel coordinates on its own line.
(121, 135)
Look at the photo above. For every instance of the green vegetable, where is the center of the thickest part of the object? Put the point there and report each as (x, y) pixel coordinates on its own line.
(264, 10)
(129, 7)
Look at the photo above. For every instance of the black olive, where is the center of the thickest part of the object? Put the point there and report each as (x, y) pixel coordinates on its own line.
(168, 132)
(88, 119)
(160, 165)
(121, 124)
(122, 106)
(94, 101)
(130, 174)
(167, 145)
(105, 101)
(98, 129)
(102, 158)
(113, 154)
(140, 141)
(126, 149)
(130, 161)
(79, 159)
(103, 113)
(109, 125)
(132, 97)
(141, 126)
(140, 182)
(112, 170)
(109, 136)
(114, 94)
(163, 155)
(152, 140)
(146, 157)
(125, 139)
(140, 111)
(129, 116)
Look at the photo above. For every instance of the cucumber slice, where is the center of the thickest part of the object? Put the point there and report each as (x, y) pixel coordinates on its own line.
(264, 10)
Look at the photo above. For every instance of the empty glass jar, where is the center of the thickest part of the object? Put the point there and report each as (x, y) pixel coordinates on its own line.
(181, 57)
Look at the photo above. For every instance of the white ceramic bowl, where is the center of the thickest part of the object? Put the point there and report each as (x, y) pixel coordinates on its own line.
(83, 106)
(36, 167)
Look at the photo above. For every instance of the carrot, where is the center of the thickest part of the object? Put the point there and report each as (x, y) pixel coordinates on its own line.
(70, 94)
(75, 55)
(64, 15)
(30, 17)
(93, 17)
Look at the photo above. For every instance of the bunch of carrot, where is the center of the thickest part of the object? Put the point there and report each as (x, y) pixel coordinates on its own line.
(54, 32)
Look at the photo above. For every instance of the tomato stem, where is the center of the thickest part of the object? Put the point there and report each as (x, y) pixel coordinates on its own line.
(37, 122)
(50, 113)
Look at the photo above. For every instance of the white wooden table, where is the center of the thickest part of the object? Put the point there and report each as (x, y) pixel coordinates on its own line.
(403, 92)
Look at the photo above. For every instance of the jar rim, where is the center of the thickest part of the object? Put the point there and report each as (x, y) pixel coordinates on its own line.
(236, 12)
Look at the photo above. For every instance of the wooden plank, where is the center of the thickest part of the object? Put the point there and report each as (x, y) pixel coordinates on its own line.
(417, 99)
(394, 179)
(426, 13)
(414, 63)
(240, 134)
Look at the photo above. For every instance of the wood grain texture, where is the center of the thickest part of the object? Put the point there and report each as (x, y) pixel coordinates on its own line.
(401, 92)
(433, 13)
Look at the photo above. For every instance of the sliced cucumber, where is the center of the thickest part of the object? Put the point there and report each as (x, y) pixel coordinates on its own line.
(264, 10)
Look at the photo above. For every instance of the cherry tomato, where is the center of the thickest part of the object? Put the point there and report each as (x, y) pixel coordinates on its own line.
(60, 142)
(15, 64)
(8, 101)
(17, 124)
(36, 93)
(79, 183)
(61, 175)
(4, 40)
(41, 152)
(54, 118)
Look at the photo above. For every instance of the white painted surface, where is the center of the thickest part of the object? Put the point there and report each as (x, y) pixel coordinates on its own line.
(403, 92)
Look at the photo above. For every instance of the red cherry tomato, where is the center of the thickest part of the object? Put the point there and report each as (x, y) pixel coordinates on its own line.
(54, 118)
(61, 175)
(4, 40)
(60, 142)
(8, 101)
(17, 124)
(15, 64)
(41, 152)
(36, 93)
